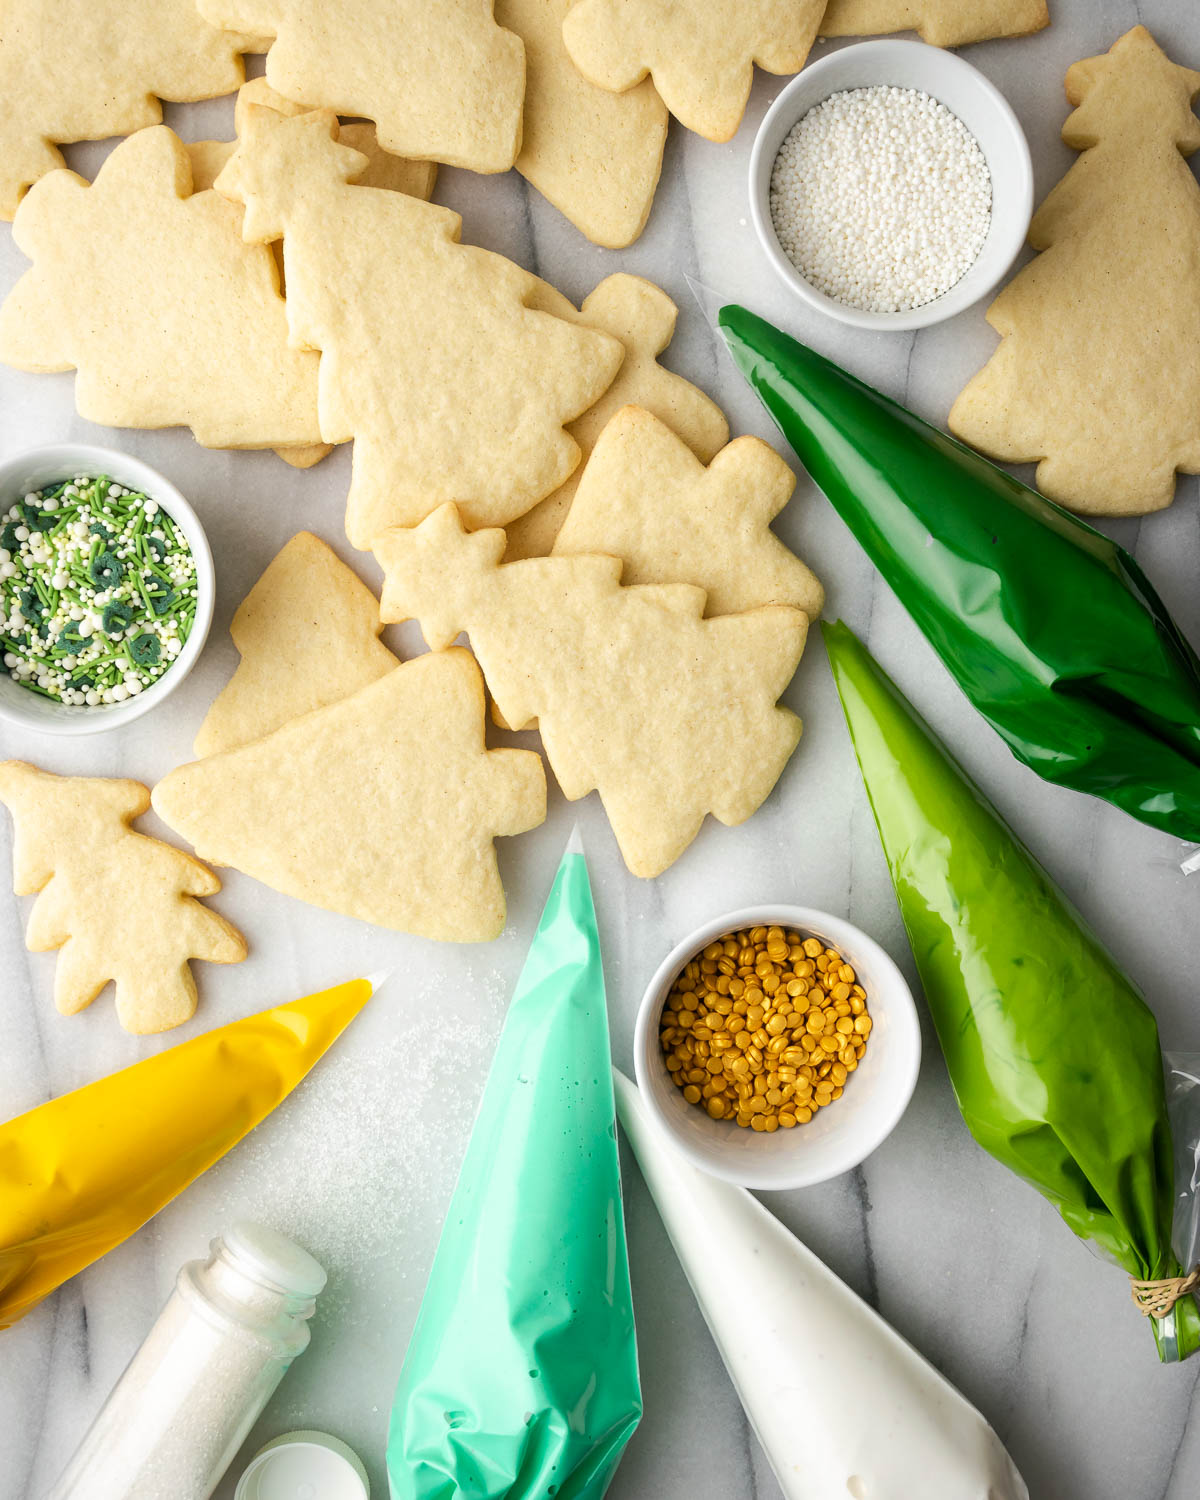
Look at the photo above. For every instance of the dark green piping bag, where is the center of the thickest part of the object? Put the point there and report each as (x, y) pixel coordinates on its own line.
(1053, 1054)
(1051, 630)
(521, 1379)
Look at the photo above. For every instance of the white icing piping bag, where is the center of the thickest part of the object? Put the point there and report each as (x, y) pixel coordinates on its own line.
(844, 1408)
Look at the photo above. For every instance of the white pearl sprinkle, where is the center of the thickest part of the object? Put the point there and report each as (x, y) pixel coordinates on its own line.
(881, 198)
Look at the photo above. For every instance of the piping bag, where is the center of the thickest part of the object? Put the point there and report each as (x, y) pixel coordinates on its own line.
(81, 1173)
(841, 1404)
(1053, 631)
(521, 1380)
(1053, 1054)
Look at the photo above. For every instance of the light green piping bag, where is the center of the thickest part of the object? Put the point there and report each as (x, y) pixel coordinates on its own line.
(1053, 1053)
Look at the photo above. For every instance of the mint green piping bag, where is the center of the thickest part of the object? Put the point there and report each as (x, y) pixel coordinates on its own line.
(521, 1379)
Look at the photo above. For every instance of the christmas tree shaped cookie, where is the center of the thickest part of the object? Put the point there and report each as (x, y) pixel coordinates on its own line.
(432, 359)
(83, 70)
(670, 716)
(383, 806)
(308, 634)
(1098, 372)
(646, 498)
(942, 23)
(594, 154)
(149, 291)
(700, 53)
(643, 317)
(119, 906)
(442, 82)
(383, 169)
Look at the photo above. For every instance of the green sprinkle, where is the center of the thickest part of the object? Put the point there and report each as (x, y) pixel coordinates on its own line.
(106, 570)
(144, 649)
(116, 619)
(150, 591)
(70, 642)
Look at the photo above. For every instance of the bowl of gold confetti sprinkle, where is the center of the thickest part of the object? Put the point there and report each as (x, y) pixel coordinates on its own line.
(777, 1046)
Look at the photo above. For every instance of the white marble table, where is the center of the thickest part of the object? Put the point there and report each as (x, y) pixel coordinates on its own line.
(967, 1263)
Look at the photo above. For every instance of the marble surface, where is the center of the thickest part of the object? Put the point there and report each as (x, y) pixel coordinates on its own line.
(967, 1263)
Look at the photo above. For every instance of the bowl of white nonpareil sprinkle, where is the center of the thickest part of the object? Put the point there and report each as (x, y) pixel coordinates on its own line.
(891, 185)
(106, 588)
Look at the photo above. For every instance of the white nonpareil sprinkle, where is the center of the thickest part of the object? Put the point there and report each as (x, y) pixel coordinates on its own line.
(881, 198)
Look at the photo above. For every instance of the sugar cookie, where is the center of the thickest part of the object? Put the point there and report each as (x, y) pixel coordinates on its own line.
(1097, 375)
(594, 154)
(669, 715)
(700, 53)
(83, 70)
(646, 498)
(942, 23)
(441, 82)
(643, 318)
(308, 635)
(383, 169)
(118, 905)
(433, 360)
(150, 293)
(383, 806)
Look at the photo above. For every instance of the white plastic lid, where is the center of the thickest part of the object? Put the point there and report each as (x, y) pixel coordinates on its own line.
(276, 1259)
(304, 1466)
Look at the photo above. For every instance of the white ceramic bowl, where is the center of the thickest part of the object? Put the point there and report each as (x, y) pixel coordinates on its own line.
(41, 466)
(840, 1136)
(965, 92)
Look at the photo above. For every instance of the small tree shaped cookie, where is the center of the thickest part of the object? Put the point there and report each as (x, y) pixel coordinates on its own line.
(383, 169)
(700, 53)
(308, 634)
(646, 498)
(942, 23)
(441, 81)
(383, 806)
(669, 715)
(1098, 372)
(642, 316)
(83, 70)
(451, 385)
(594, 154)
(119, 906)
(150, 293)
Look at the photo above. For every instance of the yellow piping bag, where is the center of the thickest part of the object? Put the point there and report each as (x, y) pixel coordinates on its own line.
(81, 1173)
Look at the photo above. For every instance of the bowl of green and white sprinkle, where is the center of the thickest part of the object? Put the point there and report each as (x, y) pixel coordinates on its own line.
(106, 588)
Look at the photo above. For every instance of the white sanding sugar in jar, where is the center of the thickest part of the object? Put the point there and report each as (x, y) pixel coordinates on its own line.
(182, 1409)
(881, 198)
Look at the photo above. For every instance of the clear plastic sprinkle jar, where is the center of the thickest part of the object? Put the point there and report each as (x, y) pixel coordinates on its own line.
(192, 1392)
